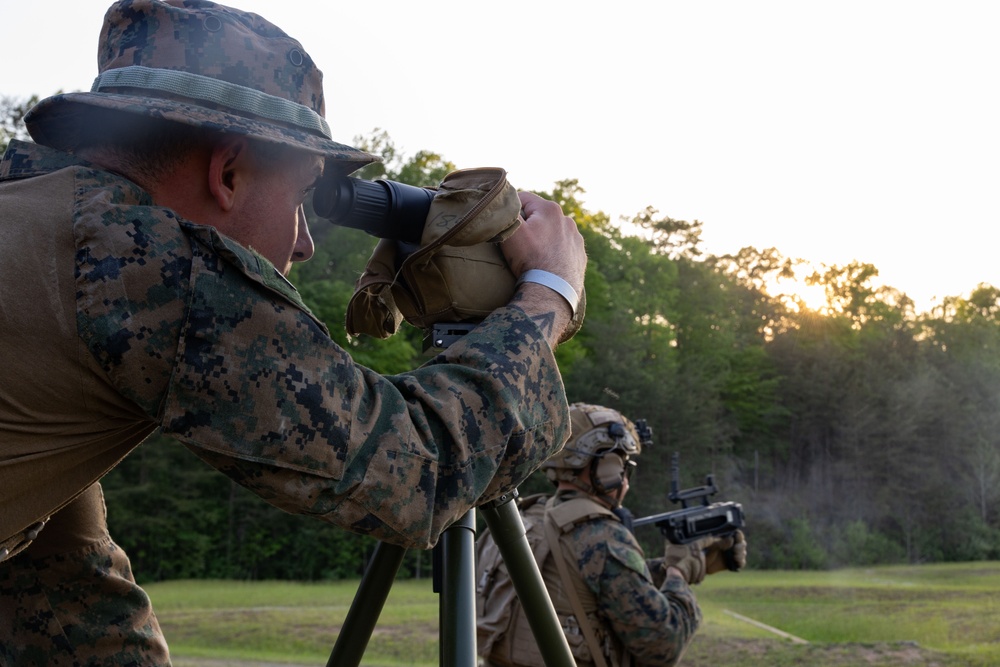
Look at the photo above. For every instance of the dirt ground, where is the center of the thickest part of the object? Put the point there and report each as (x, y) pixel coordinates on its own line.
(751, 653)
(205, 662)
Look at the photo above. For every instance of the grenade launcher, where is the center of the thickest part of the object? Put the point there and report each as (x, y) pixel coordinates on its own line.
(696, 518)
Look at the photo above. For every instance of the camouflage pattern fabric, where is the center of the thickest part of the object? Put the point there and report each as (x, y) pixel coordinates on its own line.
(178, 327)
(78, 609)
(654, 624)
(71, 600)
(202, 64)
(653, 616)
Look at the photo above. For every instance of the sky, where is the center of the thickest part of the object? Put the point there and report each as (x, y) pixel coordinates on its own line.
(832, 131)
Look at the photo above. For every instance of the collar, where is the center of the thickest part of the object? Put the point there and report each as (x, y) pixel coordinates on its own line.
(24, 159)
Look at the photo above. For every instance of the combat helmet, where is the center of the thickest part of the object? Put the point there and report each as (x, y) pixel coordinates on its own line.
(597, 432)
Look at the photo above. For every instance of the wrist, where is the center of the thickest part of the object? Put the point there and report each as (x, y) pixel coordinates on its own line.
(547, 310)
(555, 283)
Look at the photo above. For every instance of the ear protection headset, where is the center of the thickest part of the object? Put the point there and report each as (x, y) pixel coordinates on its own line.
(608, 472)
(609, 469)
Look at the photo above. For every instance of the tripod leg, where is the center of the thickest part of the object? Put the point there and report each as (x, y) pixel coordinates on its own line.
(457, 609)
(507, 529)
(366, 606)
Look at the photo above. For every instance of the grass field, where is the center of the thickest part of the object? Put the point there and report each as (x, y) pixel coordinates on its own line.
(928, 616)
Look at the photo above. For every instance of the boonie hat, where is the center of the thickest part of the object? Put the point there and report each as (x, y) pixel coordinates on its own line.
(202, 64)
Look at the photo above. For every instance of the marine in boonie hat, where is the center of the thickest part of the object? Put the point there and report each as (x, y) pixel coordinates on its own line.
(201, 64)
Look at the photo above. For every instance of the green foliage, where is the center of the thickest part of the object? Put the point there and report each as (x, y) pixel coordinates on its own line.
(425, 169)
(12, 113)
(966, 537)
(856, 544)
(178, 518)
(798, 549)
(328, 300)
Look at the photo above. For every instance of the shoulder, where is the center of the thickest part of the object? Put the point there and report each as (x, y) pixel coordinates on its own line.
(603, 543)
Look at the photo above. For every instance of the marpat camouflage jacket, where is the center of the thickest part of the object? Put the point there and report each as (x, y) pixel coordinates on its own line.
(118, 316)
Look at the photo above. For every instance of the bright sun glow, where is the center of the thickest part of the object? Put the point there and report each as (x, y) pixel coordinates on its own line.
(813, 296)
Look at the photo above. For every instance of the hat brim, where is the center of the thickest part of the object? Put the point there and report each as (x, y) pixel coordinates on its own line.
(60, 121)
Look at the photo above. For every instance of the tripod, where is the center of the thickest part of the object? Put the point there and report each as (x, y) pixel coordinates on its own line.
(457, 611)
(455, 570)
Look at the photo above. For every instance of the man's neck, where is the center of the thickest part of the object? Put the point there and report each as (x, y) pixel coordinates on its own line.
(570, 488)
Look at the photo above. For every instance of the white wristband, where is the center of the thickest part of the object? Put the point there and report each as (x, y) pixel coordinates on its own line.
(554, 283)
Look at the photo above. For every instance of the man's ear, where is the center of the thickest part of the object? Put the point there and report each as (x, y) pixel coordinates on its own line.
(228, 159)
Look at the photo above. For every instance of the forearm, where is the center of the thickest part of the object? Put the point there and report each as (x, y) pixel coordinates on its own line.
(401, 457)
(546, 308)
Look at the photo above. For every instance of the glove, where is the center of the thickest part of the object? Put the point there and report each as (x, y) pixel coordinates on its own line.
(706, 556)
(688, 558)
(729, 553)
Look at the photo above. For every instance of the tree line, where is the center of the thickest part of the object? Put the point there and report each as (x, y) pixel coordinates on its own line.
(860, 433)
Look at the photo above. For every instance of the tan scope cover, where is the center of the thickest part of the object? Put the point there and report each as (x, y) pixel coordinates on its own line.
(458, 273)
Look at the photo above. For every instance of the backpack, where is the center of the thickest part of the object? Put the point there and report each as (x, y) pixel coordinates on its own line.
(503, 634)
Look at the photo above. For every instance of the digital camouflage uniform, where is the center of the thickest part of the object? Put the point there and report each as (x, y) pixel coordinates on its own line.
(641, 616)
(154, 321)
(119, 316)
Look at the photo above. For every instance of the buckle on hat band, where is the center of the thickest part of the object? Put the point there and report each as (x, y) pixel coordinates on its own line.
(223, 93)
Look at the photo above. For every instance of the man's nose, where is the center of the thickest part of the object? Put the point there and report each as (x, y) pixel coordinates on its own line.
(304, 247)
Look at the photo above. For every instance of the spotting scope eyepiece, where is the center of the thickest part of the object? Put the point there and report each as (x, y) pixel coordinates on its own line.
(386, 209)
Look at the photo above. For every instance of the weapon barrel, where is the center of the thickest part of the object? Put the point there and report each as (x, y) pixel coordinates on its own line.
(653, 518)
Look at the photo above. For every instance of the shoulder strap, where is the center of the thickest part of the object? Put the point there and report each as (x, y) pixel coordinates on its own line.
(552, 533)
(575, 510)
